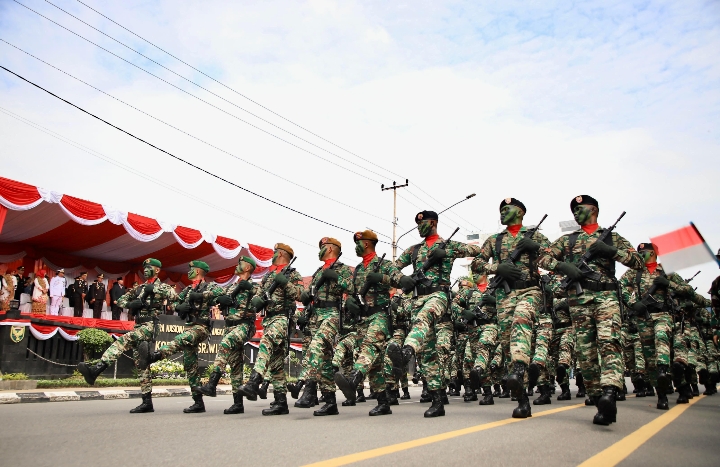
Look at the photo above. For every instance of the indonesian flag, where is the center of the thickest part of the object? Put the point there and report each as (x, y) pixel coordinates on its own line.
(683, 248)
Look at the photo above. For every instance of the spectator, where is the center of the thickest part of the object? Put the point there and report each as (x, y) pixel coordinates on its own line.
(19, 281)
(96, 296)
(57, 292)
(117, 291)
(7, 288)
(79, 290)
(40, 294)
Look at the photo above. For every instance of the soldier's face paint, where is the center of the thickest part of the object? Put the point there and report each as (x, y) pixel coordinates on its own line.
(647, 255)
(192, 273)
(321, 253)
(424, 228)
(510, 215)
(359, 248)
(148, 272)
(275, 257)
(582, 214)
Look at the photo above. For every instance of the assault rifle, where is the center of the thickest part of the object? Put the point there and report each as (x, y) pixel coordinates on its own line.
(418, 276)
(286, 271)
(693, 277)
(547, 304)
(314, 289)
(366, 287)
(587, 271)
(512, 258)
(147, 290)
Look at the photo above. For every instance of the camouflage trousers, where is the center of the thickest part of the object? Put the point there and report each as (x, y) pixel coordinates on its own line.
(398, 338)
(188, 341)
(598, 347)
(308, 334)
(498, 373)
(505, 320)
(482, 342)
(711, 356)
(562, 348)
(522, 305)
(458, 359)
(444, 335)
(655, 338)
(371, 356)
(698, 347)
(428, 310)
(131, 340)
(634, 358)
(541, 349)
(231, 351)
(319, 356)
(270, 363)
(345, 352)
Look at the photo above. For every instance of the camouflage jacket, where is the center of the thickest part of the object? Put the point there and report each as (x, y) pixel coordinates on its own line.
(631, 293)
(330, 292)
(242, 310)
(527, 264)
(379, 294)
(153, 304)
(559, 250)
(283, 298)
(440, 273)
(715, 294)
(199, 310)
(468, 298)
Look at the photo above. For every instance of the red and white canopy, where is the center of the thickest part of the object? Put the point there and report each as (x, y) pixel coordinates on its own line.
(71, 233)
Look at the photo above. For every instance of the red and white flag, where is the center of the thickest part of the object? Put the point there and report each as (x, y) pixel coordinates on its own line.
(683, 248)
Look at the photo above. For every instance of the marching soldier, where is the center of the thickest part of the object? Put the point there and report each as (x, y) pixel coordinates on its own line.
(281, 288)
(239, 328)
(192, 304)
(145, 301)
(518, 308)
(596, 311)
(457, 375)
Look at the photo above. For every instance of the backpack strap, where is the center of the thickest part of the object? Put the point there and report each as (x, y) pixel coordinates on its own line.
(498, 245)
(414, 255)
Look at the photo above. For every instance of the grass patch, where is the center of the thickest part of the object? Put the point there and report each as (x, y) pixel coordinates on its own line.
(105, 383)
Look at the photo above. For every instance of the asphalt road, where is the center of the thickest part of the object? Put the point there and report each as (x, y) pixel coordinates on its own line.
(103, 432)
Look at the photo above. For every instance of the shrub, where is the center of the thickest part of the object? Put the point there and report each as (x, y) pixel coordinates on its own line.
(93, 341)
(165, 369)
(14, 376)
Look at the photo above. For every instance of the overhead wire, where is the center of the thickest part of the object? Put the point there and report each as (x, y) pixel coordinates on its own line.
(324, 196)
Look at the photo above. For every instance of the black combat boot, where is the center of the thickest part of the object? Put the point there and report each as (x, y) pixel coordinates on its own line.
(392, 396)
(475, 378)
(620, 397)
(591, 400)
(210, 389)
(552, 385)
(523, 410)
(198, 406)
(146, 357)
(496, 390)
(662, 403)
(689, 376)
(360, 395)
(639, 385)
(533, 375)
(505, 392)
(280, 407)
(580, 383)
(348, 386)
(309, 394)
(321, 399)
(453, 387)
(695, 390)
(405, 394)
(330, 407)
(252, 387)
(296, 388)
(237, 406)
(382, 407)
(436, 409)
(372, 395)
(469, 395)
(565, 394)
(146, 405)
(664, 377)
(425, 395)
(703, 376)
(91, 373)
(348, 403)
(684, 393)
(487, 396)
(678, 374)
(545, 396)
(516, 379)
(649, 391)
(445, 400)
(607, 410)
(399, 358)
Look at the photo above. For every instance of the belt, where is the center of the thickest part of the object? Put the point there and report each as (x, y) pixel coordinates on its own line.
(421, 290)
(326, 304)
(517, 285)
(371, 310)
(595, 286)
(563, 325)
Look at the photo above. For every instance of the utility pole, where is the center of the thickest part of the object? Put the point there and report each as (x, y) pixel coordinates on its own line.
(394, 188)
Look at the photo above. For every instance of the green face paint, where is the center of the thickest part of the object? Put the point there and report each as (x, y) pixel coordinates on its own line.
(359, 248)
(322, 252)
(192, 274)
(646, 254)
(582, 214)
(148, 272)
(511, 215)
(424, 228)
(275, 256)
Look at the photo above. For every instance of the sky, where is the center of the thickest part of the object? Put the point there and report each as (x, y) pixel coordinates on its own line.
(316, 104)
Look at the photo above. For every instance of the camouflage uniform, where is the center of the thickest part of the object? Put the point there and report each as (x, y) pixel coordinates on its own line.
(596, 313)
(197, 328)
(401, 323)
(562, 345)
(144, 327)
(308, 334)
(481, 336)
(443, 346)
(516, 310)
(239, 328)
(431, 305)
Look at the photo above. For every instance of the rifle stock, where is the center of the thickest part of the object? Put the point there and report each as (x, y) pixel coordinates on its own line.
(419, 274)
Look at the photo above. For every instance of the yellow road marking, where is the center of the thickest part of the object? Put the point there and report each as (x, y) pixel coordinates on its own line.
(364, 455)
(626, 446)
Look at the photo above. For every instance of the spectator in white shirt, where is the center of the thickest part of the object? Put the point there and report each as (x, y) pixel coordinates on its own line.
(58, 284)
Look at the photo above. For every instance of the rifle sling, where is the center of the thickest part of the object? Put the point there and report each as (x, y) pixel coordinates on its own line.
(572, 240)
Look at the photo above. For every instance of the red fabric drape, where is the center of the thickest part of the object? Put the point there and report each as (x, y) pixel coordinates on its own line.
(3, 213)
(17, 192)
(228, 243)
(188, 235)
(142, 224)
(260, 252)
(83, 209)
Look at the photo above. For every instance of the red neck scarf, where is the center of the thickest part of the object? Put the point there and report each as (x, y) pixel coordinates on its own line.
(482, 287)
(514, 229)
(276, 267)
(590, 228)
(328, 263)
(368, 257)
(196, 282)
(151, 280)
(651, 266)
(431, 239)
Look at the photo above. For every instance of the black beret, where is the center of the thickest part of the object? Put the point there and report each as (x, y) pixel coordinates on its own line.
(583, 199)
(426, 216)
(512, 202)
(647, 246)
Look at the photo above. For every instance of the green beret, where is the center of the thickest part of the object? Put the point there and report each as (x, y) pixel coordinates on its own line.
(152, 262)
(200, 264)
(248, 260)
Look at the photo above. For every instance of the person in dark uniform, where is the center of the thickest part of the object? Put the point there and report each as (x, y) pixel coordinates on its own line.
(96, 296)
(79, 292)
(20, 286)
(117, 291)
